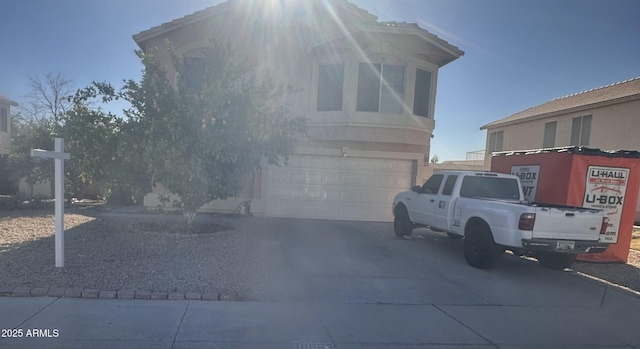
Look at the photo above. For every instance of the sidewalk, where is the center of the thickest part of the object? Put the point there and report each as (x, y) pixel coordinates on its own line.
(86, 323)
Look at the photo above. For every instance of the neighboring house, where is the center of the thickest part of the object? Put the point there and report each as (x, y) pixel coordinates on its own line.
(367, 90)
(607, 118)
(5, 124)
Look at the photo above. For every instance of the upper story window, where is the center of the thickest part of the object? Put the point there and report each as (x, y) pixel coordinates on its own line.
(549, 140)
(193, 71)
(4, 120)
(580, 130)
(330, 82)
(495, 141)
(423, 93)
(380, 88)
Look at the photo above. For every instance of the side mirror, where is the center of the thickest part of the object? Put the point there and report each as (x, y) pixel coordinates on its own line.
(416, 189)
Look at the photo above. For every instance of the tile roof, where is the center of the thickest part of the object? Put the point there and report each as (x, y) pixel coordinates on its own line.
(452, 52)
(212, 10)
(612, 92)
(178, 22)
(364, 19)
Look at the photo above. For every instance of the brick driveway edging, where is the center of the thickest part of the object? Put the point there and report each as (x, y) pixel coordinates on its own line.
(75, 292)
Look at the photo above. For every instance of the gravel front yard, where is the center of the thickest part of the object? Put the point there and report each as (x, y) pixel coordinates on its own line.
(112, 253)
(123, 252)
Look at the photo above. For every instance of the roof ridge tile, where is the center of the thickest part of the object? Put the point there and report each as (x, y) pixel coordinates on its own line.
(596, 88)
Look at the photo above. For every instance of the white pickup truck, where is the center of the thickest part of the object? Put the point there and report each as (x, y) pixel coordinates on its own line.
(488, 210)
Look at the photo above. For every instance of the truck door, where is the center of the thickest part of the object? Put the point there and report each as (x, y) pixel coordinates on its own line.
(425, 207)
(443, 201)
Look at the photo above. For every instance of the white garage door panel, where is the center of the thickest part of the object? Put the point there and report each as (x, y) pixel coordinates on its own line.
(354, 194)
(352, 179)
(336, 187)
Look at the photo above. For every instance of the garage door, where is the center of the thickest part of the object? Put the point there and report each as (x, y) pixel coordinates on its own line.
(332, 187)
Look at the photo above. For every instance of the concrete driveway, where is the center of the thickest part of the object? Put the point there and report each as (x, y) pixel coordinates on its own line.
(335, 284)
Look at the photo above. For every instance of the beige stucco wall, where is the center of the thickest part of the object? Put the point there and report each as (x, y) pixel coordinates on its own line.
(40, 188)
(613, 127)
(294, 62)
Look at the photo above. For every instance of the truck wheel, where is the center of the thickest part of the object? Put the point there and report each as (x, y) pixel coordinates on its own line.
(402, 225)
(453, 236)
(480, 250)
(557, 261)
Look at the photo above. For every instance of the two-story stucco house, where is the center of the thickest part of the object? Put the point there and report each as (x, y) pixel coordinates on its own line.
(5, 124)
(607, 118)
(367, 89)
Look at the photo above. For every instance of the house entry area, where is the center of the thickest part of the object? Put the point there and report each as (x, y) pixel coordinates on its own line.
(332, 187)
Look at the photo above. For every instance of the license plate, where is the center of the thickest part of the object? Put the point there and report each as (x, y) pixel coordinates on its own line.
(565, 245)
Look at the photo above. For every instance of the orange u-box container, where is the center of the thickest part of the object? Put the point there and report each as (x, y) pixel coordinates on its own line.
(578, 176)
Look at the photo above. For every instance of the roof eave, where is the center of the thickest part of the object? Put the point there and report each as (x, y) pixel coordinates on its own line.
(498, 123)
(180, 22)
(452, 51)
(5, 100)
(218, 9)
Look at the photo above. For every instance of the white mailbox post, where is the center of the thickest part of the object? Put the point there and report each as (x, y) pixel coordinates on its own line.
(59, 155)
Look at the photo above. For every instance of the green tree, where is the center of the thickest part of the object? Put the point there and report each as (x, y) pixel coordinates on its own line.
(206, 135)
(105, 148)
(91, 135)
(27, 134)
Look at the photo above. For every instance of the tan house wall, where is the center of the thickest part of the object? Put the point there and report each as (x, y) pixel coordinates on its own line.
(40, 188)
(346, 126)
(613, 127)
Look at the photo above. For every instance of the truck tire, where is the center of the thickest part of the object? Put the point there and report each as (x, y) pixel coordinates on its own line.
(556, 261)
(480, 250)
(402, 225)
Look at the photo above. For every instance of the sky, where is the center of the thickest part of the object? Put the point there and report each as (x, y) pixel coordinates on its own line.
(518, 54)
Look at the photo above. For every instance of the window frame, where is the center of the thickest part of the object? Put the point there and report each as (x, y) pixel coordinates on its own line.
(419, 103)
(449, 184)
(581, 130)
(328, 84)
(472, 187)
(549, 140)
(493, 145)
(427, 184)
(188, 76)
(364, 86)
(4, 120)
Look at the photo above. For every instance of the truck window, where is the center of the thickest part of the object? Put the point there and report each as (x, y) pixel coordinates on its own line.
(432, 185)
(448, 185)
(490, 188)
